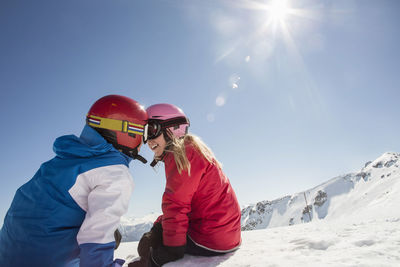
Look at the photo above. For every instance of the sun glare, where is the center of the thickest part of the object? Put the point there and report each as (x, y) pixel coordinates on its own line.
(279, 10)
(275, 20)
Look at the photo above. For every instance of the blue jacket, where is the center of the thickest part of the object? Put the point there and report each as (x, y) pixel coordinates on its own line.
(69, 210)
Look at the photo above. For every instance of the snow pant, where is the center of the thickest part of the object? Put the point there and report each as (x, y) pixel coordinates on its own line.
(195, 250)
(161, 254)
(153, 252)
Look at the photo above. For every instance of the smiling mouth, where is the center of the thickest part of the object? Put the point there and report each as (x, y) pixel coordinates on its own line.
(154, 146)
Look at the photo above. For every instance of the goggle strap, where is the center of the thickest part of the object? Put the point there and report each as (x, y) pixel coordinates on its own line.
(116, 125)
(174, 122)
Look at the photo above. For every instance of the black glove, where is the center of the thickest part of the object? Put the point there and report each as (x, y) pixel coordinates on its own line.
(153, 238)
(143, 262)
(163, 254)
(118, 238)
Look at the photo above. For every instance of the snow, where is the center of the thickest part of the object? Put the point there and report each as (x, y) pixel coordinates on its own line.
(357, 223)
(334, 243)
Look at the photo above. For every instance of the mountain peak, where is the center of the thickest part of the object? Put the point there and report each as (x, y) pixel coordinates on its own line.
(383, 166)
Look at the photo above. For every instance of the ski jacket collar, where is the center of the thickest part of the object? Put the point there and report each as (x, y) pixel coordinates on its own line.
(89, 144)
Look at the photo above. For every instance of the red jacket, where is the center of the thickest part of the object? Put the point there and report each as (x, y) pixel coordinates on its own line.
(202, 205)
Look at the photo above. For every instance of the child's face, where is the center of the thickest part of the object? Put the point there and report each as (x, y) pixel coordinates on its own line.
(157, 145)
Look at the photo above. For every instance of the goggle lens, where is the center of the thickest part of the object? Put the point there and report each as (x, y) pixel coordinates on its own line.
(153, 130)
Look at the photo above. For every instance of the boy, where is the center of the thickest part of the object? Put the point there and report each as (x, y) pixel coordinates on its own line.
(67, 213)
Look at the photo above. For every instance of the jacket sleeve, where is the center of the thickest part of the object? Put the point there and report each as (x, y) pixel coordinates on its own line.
(159, 220)
(104, 194)
(177, 198)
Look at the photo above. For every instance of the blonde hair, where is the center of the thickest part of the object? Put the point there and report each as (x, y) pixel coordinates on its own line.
(177, 147)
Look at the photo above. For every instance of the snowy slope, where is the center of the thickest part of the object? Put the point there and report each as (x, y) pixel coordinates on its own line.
(339, 197)
(355, 222)
(334, 243)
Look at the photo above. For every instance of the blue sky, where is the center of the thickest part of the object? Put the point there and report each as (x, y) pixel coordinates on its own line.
(285, 102)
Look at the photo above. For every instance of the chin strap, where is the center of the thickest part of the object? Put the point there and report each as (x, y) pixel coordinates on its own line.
(157, 159)
(140, 158)
(132, 153)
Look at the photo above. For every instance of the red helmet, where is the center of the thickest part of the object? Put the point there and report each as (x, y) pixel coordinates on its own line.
(120, 120)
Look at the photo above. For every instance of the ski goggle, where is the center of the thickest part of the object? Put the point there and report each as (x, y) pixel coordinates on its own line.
(116, 125)
(155, 127)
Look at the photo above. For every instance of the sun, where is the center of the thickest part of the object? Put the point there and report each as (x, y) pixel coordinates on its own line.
(279, 9)
(275, 20)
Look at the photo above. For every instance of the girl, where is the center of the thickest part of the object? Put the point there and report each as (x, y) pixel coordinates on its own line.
(201, 215)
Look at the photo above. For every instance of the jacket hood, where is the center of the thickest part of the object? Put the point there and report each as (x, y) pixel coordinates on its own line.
(89, 144)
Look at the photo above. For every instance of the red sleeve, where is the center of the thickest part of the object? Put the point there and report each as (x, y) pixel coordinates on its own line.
(177, 198)
(159, 220)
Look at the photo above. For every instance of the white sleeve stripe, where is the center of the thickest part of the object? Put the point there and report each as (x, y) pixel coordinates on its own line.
(79, 192)
(104, 194)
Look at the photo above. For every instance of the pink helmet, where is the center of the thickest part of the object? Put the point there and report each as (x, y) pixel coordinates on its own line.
(166, 116)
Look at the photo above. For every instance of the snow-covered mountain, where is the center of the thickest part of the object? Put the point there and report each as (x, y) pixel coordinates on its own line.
(338, 197)
(132, 229)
